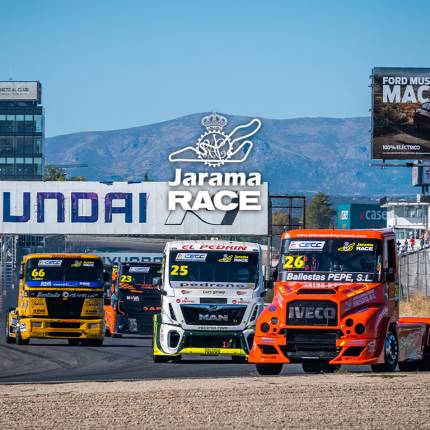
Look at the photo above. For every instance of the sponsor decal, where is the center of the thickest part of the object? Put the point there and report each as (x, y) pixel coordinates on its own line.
(308, 245)
(191, 256)
(202, 284)
(328, 276)
(241, 258)
(344, 214)
(88, 263)
(63, 284)
(226, 259)
(365, 247)
(76, 264)
(132, 298)
(347, 247)
(50, 263)
(214, 247)
(139, 269)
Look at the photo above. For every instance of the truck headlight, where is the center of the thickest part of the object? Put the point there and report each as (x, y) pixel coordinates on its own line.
(92, 326)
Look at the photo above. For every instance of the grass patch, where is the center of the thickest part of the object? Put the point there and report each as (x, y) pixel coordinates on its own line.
(416, 306)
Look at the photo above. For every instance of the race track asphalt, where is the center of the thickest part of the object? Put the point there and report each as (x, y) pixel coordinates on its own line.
(126, 358)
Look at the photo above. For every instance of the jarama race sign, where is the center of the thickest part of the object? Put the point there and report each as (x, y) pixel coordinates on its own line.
(119, 209)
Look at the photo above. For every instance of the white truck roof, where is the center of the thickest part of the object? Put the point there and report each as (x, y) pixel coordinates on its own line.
(212, 245)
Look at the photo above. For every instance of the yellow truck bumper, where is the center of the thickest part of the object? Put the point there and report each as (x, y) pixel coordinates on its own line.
(61, 328)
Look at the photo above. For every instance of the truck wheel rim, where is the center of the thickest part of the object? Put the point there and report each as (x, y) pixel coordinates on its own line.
(391, 348)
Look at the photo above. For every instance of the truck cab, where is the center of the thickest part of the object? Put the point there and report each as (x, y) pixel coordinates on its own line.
(336, 301)
(135, 299)
(60, 296)
(212, 294)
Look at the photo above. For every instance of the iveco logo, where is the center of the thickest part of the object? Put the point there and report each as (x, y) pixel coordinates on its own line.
(213, 317)
(309, 312)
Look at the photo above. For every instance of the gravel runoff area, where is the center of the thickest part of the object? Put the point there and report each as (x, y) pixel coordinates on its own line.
(342, 401)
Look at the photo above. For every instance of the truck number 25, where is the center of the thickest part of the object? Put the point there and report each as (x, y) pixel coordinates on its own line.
(179, 270)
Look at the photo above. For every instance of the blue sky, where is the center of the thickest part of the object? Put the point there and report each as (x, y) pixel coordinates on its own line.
(108, 64)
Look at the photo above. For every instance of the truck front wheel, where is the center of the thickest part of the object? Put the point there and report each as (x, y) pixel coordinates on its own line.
(269, 368)
(19, 340)
(391, 354)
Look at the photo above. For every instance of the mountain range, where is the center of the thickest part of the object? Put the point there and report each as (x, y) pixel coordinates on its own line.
(302, 155)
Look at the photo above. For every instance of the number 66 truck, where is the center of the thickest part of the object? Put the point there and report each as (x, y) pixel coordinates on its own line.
(212, 293)
(336, 302)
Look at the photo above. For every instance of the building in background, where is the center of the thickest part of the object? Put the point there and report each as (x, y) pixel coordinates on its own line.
(21, 131)
(408, 219)
(361, 216)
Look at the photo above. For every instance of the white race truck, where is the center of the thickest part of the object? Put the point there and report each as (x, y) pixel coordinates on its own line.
(211, 295)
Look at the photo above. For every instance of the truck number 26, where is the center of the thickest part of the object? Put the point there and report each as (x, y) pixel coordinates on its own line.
(291, 262)
(179, 270)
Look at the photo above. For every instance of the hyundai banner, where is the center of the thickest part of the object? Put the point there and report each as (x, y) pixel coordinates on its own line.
(124, 208)
(400, 113)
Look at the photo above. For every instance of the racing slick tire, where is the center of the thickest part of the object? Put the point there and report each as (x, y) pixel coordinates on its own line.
(391, 354)
(19, 340)
(313, 366)
(8, 338)
(73, 342)
(266, 369)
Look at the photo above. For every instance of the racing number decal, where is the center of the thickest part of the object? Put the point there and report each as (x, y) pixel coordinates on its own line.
(179, 270)
(126, 278)
(294, 262)
(37, 273)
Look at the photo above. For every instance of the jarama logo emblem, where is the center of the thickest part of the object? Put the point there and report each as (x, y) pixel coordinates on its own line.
(215, 147)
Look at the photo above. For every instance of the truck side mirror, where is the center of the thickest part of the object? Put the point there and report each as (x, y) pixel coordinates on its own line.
(156, 281)
(268, 284)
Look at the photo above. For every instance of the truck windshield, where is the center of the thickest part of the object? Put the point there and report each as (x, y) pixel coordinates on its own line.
(138, 277)
(213, 269)
(67, 272)
(330, 260)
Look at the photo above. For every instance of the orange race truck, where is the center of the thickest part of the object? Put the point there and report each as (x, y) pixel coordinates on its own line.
(336, 301)
(135, 299)
(60, 296)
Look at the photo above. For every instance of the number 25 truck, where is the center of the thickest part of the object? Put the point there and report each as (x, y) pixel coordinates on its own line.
(212, 294)
(336, 302)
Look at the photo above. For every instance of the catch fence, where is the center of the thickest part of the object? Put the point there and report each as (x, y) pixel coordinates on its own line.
(414, 273)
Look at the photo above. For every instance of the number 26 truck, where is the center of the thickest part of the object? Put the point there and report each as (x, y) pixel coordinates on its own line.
(336, 302)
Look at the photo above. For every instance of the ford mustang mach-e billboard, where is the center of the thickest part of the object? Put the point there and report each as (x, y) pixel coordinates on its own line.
(400, 113)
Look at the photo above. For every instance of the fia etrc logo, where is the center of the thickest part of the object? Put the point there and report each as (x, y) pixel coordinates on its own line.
(215, 147)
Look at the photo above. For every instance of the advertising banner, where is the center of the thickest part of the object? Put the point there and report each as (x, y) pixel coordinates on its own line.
(123, 208)
(400, 113)
(350, 216)
(20, 91)
(420, 175)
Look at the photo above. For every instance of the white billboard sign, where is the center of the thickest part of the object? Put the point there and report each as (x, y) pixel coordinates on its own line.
(19, 91)
(121, 208)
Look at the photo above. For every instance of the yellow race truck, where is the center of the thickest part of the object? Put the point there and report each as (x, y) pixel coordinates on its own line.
(60, 297)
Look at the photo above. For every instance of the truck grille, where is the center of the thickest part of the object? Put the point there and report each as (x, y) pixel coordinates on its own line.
(302, 344)
(312, 313)
(211, 314)
(59, 308)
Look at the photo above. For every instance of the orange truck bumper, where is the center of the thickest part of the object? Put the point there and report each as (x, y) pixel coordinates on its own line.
(348, 351)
